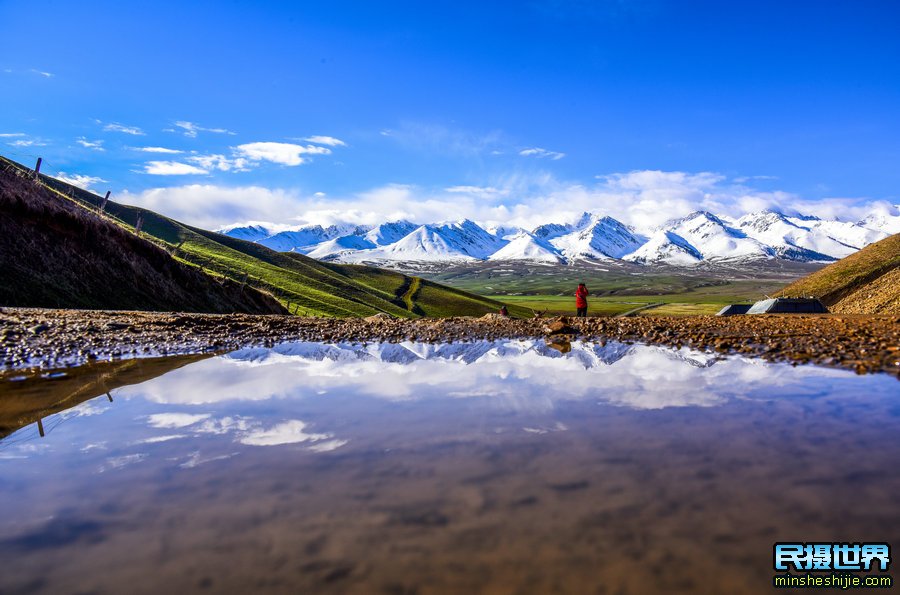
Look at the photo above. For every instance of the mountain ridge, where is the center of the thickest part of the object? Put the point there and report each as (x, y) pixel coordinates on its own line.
(699, 237)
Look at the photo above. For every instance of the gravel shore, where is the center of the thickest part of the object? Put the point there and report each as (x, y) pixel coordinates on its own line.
(44, 339)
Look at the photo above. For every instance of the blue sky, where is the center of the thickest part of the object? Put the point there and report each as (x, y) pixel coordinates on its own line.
(497, 110)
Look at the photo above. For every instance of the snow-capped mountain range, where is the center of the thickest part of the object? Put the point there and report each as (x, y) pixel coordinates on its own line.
(588, 355)
(696, 238)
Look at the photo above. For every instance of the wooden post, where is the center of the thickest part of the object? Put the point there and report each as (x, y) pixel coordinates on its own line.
(37, 167)
(139, 223)
(105, 200)
(109, 396)
(41, 427)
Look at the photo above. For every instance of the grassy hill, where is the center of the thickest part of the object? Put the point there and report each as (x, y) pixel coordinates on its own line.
(302, 284)
(57, 254)
(866, 282)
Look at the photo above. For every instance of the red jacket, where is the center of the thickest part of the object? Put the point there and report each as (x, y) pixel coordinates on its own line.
(581, 297)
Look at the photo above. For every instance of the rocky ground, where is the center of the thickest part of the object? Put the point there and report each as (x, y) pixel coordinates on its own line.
(36, 338)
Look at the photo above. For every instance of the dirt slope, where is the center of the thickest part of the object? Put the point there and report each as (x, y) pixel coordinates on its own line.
(866, 282)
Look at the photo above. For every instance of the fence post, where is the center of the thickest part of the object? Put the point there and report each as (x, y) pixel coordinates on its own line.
(105, 200)
(139, 223)
(37, 167)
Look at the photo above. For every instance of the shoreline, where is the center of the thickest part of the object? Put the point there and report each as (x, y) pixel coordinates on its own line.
(33, 339)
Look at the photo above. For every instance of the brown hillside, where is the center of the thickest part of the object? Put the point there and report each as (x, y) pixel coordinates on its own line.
(57, 254)
(866, 282)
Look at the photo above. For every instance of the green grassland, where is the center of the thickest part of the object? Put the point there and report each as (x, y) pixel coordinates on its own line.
(305, 285)
(617, 288)
(606, 306)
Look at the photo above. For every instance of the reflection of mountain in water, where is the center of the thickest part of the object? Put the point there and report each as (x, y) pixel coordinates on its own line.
(588, 355)
(497, 367)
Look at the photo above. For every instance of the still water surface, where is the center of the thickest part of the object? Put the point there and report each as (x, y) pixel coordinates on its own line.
(494, 467)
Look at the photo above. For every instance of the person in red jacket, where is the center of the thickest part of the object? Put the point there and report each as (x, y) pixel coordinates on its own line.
(581, 301)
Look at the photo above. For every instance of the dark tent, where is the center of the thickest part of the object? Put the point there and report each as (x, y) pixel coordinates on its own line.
(788, 306)
(734, 309)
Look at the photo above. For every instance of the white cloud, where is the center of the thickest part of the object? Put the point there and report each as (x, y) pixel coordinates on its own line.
(116, 127)
(97, 145)
(27, 143)
(171, 168)
(440, 139)
(43, 73)
(212, 207)
(79, 180)
(158, 150)
(190, 129)
(11, 134)
(744, 179)
(220, 162)
(325, 140)
(283, 153)
(643, 199)
(539, 152)
(485, 192)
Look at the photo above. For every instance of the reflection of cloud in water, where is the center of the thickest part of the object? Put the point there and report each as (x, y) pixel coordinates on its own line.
(123, 461)
(224, 425)
(247, 430)
(557, 427)
(518, 374)
(93, 446)
(328, 445)
(175, 420)
(85, 409)
(164, 438)
(194, 459)
(288, 432)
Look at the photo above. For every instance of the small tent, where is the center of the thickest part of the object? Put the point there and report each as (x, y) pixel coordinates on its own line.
(734, 309)
(788, 306)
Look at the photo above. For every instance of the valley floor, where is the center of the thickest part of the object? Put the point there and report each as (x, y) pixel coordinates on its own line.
(39, 339)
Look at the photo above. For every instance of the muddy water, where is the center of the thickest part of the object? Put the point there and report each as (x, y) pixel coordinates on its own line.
(504, 467)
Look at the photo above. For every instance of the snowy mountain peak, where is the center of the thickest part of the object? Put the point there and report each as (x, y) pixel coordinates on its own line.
(887, 222)
(699, 236)
(388, 233)
(697, 217)
(668, 247)
(604, 237)
(525, 246)
(250, 232)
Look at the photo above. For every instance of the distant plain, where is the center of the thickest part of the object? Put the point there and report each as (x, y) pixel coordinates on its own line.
(617, 288)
